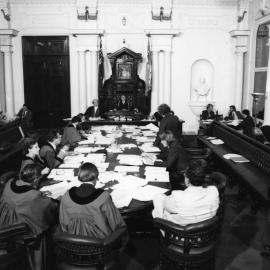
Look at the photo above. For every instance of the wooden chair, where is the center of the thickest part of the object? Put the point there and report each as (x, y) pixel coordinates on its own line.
(75, 252)
(13, 253)
(188, 247)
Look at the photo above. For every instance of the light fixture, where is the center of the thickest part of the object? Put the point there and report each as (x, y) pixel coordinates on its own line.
(124, 21)
(87, 15)
(161, 16)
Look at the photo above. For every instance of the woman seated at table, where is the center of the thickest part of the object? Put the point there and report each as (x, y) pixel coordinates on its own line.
(31, 155)
(208, 113)
(123, 104)
(88, 211)
(232, 115)
(194, 204)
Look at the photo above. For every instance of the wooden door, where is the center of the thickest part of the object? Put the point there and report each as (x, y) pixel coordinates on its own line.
(46, 79)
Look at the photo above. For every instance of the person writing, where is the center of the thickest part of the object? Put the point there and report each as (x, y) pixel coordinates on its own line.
(208, 113)
(93, 111)
(232, 115)
(88, 211)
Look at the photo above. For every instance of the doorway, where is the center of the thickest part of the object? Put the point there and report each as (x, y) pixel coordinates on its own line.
(47, 79)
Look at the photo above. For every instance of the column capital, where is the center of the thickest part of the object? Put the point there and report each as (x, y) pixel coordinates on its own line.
(6, 36)
(6, 49)
(162, 32)
(87, 32)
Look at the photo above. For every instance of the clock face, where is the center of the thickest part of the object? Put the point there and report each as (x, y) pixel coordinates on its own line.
(124, 71)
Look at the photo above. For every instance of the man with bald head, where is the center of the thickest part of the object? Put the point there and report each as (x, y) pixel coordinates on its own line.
(93, 111)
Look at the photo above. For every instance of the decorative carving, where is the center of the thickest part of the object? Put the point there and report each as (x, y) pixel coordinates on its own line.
(202, 89)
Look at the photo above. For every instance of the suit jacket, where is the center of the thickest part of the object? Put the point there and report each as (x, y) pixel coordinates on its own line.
(50, 156)
(70, 135)
(169, 122)
(90, 212)
(27, 160)
(176, 160)
(26, 116)
(123, 106)
(205, 115)
(192, 205)
(90, 112)
(247, 125)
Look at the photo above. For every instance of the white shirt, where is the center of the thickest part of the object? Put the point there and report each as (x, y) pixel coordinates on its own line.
(53, 146)
(188, 206)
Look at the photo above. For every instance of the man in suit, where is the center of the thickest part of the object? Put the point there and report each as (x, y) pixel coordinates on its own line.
(49, 153)
(247, 125)
(194, 204)
(208, 113)
(175, 161)
(169, 121)
(71, 135)
(26, 115)
(88, 211)
(93, 111)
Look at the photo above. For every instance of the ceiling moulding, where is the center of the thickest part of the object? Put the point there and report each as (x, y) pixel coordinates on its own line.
(43, 2)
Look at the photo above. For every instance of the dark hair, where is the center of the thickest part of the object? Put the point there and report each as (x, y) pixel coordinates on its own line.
(233, 107)
(246, 112)
(28, 144)
(196, 173)
(165, 133)
(76, 119)
(52, 134)
(208, 106)
(30, 173)
(88, 172)
(158, 116)
(164, 109)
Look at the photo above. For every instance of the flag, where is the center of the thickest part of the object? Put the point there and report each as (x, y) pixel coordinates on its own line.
(100, 66)
(148, 80)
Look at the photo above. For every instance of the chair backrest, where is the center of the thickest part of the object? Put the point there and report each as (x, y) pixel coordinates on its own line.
(190, 237)
(88, 251)
(5, 177)
(266, 132)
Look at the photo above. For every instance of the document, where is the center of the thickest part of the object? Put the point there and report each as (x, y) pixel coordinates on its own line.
(150, 126)
(148, 193)
(130, 160)
(156, 174)
(61, 174)
(128, 145)
(121, 198)
(127, 169)
(148, 148)
(217, 141)
(90, 140)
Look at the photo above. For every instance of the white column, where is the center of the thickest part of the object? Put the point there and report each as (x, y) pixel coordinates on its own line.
(81, 80)
(155, 87)
(88, 78)
(267, 90)
(161, 70)
(167, 78)
(94, 74)
(7, 50)
(239, 71)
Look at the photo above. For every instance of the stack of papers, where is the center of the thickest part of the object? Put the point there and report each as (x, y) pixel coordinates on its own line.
(217, 141)
(61, 175)
(127, 169)
(148, 193)
(156, 174)
(148, 148)
(130, 159)
(236, 158)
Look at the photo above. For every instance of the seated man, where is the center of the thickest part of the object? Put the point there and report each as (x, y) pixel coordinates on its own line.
(49, 153)
(71, 135)
(88, 211)
(122, 104)
(93, 111)
(247, 125)
(174, 159)
(22, 203)
(194, 204)
(208, 113)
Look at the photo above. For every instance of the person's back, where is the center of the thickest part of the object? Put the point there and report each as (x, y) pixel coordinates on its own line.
(71, 135)
(88, 211)
(192, 205)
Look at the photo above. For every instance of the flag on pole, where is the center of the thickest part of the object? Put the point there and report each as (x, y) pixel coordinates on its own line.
(148, 80)
(100, 66)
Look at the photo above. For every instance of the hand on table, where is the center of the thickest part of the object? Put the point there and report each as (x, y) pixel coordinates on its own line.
(45, 171)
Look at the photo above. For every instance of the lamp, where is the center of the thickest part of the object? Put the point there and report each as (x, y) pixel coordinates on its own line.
(162, 16)
(87, 15)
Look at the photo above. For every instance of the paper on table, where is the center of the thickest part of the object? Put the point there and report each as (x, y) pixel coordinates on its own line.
(74, 158)
(148, 148)
(86, 150)
(61, 174)
(70, 165)
(156, 174)
(95, 158)
(103, 140)
(148, 133)
(217, 141)
(127, 168)
(150, 126)
(127, 145)
(121, 198)
(90, 140)
(230, 155)
(147, 193)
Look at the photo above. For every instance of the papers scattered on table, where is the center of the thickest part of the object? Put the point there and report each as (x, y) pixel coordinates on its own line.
(60, 189)
(148, 148)
(127, 168)
(143, 139)
(148, 133)
(61, 174)
(151, 127)
(217, 141)
(70, 165)
(105, 127)
(86, 150)
(236, 158)
(127, 145)
(75, 158)
(95, 158)
(104, 140)
(90, 140)
(147, 193)
(156, 174)
(114, 149)
(121, 198)
(130, 159)
(211, 138)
